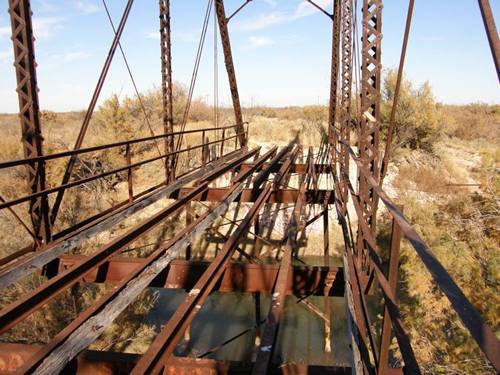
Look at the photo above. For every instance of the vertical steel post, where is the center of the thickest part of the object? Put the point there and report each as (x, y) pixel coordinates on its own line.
(345, 99)
(130, 181)
(256, 297)
(189, 220)
(334, 78)
(29, 113)
(228, 59)
(326, 292)
(385, 340)
(371, 72)
(166, 87)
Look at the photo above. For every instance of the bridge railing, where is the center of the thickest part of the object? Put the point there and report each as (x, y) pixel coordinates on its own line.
(213, 143)
(366, 266)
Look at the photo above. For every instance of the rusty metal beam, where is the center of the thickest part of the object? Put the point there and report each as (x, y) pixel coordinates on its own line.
(90, 110)
(475, 324)
(392, 277)
(24, 306)
(26, 266)
(491, 32)
(166, 86)
(228, 59)
(250, 195)
(277, 308)
(397, 89)
(345, 98)
(155, 358)
(334, 79)
(84, 330)
(239, 277)
(29, 114)
(371, 76)
(82, 181)
(91, 362)
(299, 168)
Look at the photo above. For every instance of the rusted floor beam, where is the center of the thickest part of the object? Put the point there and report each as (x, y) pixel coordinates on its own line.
(299, 168)
(91, 362)
(279, 196)
(239, 277)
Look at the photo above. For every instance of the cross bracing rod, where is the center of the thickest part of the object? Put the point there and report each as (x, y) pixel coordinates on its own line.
(90, 109)
(491, 32)
(29, 113)
(166, 85)
(228, 59)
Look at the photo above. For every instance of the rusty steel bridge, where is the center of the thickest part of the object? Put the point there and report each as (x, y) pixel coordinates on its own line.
(253, 176)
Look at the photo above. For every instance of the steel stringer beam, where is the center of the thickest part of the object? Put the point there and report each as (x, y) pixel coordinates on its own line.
(29, 113)
(166, 86)
(228, 59)
(332, 114)
(345, 98)
(371, 72)
(155, 358)
(277, 308)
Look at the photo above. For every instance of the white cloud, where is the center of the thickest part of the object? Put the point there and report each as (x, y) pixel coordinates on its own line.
(153, 35)
(304, 9)
(260, 22)
(6, 56)
(45, 27)
(68, 57)
(46, 6)
(86, 7)
(56, 61)
(186, 37)
(5, 31)
(271, 3)
(258, 41)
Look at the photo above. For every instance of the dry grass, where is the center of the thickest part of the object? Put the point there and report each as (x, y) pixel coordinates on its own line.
(461, 225)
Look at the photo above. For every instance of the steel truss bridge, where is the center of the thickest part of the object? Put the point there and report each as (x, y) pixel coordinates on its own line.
(254, 176)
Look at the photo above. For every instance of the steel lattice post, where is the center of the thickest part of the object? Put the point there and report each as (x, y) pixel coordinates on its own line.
(29, 112)
(332, 115)
(228, 59)
(370, 102)
(345, 99)
(166, 80)
(368, 143)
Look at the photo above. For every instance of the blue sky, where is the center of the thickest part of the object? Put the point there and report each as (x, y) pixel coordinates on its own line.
(281, 49)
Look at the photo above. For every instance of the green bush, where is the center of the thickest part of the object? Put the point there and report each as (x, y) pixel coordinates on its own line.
(416, 121)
